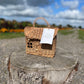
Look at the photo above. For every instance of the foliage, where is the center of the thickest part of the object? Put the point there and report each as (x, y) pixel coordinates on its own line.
(4, 30)
(68, 25)
(24, 24)
(10, 35)
(16, 30)
(53, 25)
(21, 25)
(65, 28)
(66, 32)
(81, 35)
(11, 30)
(80, 27)
(60, 26)
(14, 24)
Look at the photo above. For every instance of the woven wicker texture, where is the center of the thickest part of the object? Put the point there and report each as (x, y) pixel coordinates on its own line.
(33, 36)
(36, 33)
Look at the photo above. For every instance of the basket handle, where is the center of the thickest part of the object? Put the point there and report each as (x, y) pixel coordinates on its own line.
(42, 19)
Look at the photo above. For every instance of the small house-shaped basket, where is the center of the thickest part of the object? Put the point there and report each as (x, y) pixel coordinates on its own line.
(33, 36)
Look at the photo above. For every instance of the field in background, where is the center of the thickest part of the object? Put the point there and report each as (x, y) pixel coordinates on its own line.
(11, 30)
(20, 33)
(66, 32)
(15, 33)
(22, 30)
(8, 35)
(81, 35)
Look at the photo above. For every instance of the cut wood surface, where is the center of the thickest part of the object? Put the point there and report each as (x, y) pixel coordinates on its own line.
(61, 61)
(50, 68)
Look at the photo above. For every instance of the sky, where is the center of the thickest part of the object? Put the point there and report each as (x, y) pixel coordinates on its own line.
(55, 11)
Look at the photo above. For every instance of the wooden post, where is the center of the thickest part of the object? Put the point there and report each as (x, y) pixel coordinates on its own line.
(30, 69)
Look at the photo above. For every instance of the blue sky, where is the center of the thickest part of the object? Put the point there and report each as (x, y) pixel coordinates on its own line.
(55, 11)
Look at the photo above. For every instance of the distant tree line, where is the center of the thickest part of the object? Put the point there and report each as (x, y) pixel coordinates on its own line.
(14, 24)
(21, 25)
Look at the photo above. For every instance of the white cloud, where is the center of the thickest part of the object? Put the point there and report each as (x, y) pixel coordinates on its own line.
(71, 14)
(49, 9)
(38, 3)
(82, 8)
(70, 4)
(19, 10)
(11, 7)
(73, 17)
(56, 6)
(2, 8)
(64, 22)
(14, 7)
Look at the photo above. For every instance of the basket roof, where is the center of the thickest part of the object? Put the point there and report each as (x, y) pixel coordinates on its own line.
(36, 33)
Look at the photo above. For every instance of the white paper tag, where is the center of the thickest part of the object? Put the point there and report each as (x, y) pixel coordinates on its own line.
(47, 36)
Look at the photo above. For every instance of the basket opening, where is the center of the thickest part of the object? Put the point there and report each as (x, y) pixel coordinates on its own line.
(46, 46)
(29, 45)
(32, 40)
(33, 43)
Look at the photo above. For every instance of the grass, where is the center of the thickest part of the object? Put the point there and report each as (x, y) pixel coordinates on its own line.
(81, 35)
(66, 32)
(10, 35)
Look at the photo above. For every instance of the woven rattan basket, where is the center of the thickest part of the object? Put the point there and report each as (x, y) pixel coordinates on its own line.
(33, 36)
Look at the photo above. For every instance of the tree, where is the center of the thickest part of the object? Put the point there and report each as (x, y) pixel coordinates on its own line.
(30, 25)
(60, 26)
(2, 19)
(24, 24)
(80, 27)
(68, 25)
(53, 25)
(0, 24)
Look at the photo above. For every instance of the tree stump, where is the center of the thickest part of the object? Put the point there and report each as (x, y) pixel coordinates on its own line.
(30, 69)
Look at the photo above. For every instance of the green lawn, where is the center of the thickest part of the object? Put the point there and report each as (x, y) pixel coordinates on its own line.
(10, 35)
(66, 32)
(81, 35)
